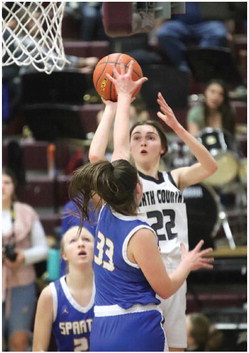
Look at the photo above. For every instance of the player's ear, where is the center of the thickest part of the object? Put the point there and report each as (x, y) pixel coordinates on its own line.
(63, 256)
(139, 191)
(163, 151)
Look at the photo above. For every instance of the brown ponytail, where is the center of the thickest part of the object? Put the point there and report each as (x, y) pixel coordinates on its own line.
(115, 183)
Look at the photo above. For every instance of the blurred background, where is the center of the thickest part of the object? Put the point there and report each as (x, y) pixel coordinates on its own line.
(48, 122)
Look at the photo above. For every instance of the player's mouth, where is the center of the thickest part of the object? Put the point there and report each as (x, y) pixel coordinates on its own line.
(143, 152)
(82, 253)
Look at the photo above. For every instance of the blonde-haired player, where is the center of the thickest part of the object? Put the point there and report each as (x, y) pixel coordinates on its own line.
(65, 307)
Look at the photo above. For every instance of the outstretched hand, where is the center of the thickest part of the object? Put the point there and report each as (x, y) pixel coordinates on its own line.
(123, 81)
(195, 258)
(166, 114)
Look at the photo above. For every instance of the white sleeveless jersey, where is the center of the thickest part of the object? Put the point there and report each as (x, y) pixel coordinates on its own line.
(165, 210)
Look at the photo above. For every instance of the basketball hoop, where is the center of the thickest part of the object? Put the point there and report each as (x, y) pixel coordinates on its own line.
(31, 35)
(121, 19)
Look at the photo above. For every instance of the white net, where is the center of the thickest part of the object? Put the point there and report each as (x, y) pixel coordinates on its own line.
(31, 35)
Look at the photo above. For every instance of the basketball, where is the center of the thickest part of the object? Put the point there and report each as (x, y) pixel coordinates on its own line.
(104, 87)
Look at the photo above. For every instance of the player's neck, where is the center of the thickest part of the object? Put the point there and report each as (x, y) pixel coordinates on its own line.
(81, 289)
(150, 169)
(78, 279)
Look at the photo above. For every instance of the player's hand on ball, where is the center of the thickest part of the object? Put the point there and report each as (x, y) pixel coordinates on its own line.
(123, 81)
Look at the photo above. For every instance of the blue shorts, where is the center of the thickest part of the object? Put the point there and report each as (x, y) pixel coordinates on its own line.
(22, 307)
(138, 331)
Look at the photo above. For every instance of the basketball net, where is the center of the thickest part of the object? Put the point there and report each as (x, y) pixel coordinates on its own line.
(31, 35)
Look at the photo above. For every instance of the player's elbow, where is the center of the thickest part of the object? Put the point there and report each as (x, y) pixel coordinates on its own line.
(212, 167)
(165, 293)
(94, 157)
(120, 154)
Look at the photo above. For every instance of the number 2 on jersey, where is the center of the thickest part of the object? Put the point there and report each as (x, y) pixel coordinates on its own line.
(105, 247)
(158, 225)
(81, 344)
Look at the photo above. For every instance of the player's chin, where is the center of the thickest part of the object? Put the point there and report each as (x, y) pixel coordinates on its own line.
(84, 258)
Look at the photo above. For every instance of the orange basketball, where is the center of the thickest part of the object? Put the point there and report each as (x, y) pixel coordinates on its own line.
(104, 87)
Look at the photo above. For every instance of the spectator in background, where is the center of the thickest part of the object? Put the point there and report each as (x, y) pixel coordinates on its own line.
(89, 15)
(91, 21)
(85, 65)
(201, 335)
(24, 244)
(12, 74)
(214, 111)
(199, 23)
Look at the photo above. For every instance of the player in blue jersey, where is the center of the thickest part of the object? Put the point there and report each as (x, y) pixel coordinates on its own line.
(70, 215)
(65, 307)
(162, 202)
(71, 218)
(128, 267)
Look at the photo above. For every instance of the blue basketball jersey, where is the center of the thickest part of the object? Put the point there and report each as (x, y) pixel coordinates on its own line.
(117, 280)
(72, 322)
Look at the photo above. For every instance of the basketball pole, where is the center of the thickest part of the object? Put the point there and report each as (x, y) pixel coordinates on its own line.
(227, 229)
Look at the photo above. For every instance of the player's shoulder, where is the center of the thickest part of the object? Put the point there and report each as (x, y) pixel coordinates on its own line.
(46, 296)
(144, 232)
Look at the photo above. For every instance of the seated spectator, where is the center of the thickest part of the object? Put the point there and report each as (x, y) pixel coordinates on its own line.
(24, 244)
(12, 74)
(38, 49)
(214, 111)
(195, 25)
(201, 334)
(89, 16)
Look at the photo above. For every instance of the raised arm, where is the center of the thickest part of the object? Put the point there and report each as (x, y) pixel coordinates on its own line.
(143, 250)
(206, 165)
(125, 86)
(101, 136)
(43, 321)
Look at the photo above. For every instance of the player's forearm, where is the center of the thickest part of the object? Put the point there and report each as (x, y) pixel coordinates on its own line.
(101, 137)
(121, 127)
(177, 278)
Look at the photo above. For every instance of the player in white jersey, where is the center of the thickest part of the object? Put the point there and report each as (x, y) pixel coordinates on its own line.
(148, 144)
(65, 307)
(164, 207)
(126, 249)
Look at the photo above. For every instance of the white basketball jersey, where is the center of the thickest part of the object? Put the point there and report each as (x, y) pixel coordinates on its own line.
(165, 210)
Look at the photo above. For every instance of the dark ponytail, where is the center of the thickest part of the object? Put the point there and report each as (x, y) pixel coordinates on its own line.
(114, 183)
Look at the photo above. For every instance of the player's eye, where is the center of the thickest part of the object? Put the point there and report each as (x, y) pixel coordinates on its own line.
(72, 240)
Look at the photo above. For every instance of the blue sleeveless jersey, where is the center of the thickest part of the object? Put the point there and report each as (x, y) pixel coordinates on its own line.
(117, 280)
(72, 322)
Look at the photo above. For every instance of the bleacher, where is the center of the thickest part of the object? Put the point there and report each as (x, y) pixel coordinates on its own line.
(48, 194)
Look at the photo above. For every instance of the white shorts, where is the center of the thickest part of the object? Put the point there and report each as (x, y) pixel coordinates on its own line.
(174, 309)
